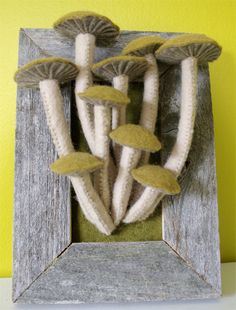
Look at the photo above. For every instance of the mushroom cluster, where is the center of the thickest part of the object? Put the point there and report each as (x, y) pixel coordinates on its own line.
(104, 180)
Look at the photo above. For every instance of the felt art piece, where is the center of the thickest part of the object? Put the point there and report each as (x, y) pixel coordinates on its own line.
(108, 123)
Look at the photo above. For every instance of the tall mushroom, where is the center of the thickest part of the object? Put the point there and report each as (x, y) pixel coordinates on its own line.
(189, 50)
(134, 140)
(47, 73)
(78, 166)
(120, 70)
(88, 29)
(103, 98)
(145, 47)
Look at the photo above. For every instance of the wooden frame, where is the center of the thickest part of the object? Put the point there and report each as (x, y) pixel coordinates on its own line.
(49, 269)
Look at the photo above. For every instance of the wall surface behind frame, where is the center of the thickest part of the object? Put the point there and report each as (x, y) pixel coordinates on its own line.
(216, 18)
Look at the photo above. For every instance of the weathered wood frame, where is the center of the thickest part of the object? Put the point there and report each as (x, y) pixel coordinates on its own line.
(48, 268)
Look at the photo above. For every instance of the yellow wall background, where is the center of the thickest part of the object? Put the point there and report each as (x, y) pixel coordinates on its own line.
(216, 18)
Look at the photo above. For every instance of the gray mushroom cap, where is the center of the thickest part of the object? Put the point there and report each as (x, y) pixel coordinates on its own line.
(132, 66)
(183, 46)
(100, 26)
(42, 69)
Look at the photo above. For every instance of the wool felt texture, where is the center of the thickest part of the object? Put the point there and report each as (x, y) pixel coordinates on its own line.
(175, 162)
(143, 46)
(91, 204)
(53, 68)
(136, 137)
(157, 177)
(100, 26)
(84, 231)
(104, 95)
(54, 110)
(109, 68)
(76, 163)
(84, 55)
(180, 47)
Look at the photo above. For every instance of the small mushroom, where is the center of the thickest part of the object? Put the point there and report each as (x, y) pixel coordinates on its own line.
(88, 29)
(134, 140)
(155, 180)
(78, 166)
(47, 74)
(120, 70)
(189, 50)
(103, 98)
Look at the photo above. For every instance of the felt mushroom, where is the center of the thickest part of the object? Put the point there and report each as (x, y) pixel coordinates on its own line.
(189, 50)
(78, 166)
(103, 98)
(120, 70)
(154, 179)
(134, 140)
(47, 74)
(88, 29)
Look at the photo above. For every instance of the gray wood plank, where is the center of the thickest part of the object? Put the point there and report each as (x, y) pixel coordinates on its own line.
(190, 220)
(117, 272)
(42, 223)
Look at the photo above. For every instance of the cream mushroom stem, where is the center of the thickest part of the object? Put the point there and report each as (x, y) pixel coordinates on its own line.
(147, 202)
(121, 83)
(84, 55)
(123, 184)
(102, 150)
(149, 110)
(91, 204)
(53, 106)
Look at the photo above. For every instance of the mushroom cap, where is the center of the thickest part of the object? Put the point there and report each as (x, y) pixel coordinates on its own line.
(136, 137)
(100, 26)
(76, 163)
(183, 46)
(143, 46)
(109, 68)
(105, 95)
(54, 68)
(157, 177)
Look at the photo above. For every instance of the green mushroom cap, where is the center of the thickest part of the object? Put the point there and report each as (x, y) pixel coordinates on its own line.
(143, 46)
(54, 68)
(157, 177)
(105, 95)
(183, 46)
(100, 26)
(136, 137)
(109, 68)
(76, 163)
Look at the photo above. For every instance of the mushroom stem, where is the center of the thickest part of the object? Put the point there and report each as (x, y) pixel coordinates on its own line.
(120, 83)
(123, 184)
(84, 55)
(102, 140)
(91, 204)
(149, 112)
(142, 208)
(53, 106)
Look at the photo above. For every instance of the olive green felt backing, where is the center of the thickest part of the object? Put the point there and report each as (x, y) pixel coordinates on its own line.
(82, 230)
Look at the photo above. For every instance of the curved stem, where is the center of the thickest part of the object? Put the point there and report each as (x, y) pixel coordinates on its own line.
(84, 55)
(148, 116)
(91, 204)
(120, 83)
(53, 106)
(102, 129)
(180, 151)
(123, 184)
